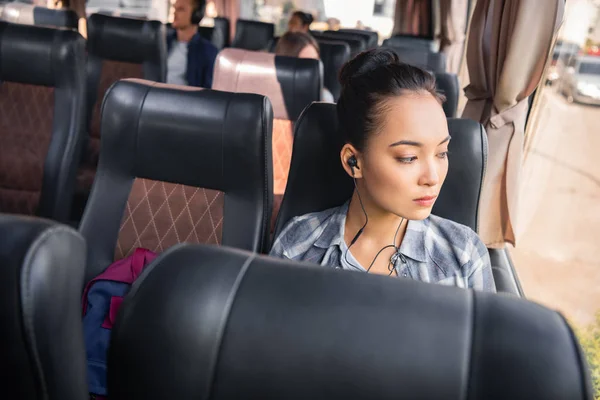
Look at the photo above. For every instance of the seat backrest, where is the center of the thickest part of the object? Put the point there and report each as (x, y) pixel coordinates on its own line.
(41, 277)
(41, 118)
(357, 44)
(290, 83)
(316, 169)
(222, 26)
(365, 39)
(333, 55)
(372, 36)
(218, 34)
(414, 42)
(273, 44)
(28, 14)
(252, 35)
(448, 84)
(426, 59)
(256, 327)
(179, 164)
(118, 48)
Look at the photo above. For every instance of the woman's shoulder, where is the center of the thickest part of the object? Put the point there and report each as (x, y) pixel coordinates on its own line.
(450, 227)
(464, 240)
(303, 225)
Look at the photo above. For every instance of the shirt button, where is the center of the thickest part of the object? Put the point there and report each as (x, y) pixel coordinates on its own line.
(404, 274)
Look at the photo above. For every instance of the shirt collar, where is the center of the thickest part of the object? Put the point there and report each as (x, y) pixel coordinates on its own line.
(413, 243)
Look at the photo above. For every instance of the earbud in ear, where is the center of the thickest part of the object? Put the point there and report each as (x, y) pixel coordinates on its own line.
(352, 162)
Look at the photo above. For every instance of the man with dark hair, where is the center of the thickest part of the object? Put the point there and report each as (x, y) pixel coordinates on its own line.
(191, 57)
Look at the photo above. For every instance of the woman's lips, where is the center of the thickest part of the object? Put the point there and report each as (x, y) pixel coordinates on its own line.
(426, 201)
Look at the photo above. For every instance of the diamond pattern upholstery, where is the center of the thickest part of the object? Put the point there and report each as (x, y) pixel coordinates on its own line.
(283, 140)
(26, 115)
(159, 215)
(112, 71)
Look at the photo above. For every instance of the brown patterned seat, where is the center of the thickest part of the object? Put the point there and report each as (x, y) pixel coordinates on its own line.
(41, 119)
(118, 48)
(290, 83)
(179, 164)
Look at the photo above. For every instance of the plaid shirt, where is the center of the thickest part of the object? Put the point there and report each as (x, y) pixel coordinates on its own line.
(435, 249)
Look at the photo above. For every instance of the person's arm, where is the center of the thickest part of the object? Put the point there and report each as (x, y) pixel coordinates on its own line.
(479, 268)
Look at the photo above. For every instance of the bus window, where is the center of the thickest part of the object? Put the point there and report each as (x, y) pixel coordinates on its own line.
(375, 15)
(556, 257)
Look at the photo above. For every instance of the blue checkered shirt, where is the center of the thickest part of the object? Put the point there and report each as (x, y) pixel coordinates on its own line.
(434, 250)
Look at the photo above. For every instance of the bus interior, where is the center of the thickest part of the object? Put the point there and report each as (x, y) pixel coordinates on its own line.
(101, 155)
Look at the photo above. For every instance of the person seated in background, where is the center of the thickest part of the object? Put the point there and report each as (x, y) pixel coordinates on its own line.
(300, 22)
(302, 45)
(191, 58)
(396, 151)
(334, 24)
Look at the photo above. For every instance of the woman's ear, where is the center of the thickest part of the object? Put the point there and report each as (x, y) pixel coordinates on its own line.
(351, 161)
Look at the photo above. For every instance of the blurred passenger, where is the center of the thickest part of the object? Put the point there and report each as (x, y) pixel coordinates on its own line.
(302, 45)
(191, 58)
(300, 22)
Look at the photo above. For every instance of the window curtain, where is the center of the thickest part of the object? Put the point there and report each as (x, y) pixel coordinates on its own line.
(413, 17)
(453, 23)
(508, 46)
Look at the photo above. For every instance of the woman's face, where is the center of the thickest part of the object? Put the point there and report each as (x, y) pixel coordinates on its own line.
(404, 164)
(295, 25)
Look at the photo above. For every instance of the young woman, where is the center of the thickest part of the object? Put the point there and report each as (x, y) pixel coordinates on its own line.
(300, 22)
(397, 153)
(298, 44)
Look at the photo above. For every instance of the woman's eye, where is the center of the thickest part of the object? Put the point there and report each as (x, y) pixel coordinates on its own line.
(443, 155)
(406, 160)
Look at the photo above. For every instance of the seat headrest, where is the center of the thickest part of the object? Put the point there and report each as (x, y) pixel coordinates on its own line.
(222, 27)
(316, 169)
(37, 55)
(449, 85)
(252, 35)
(187, 122)
(423, 58)
(412, 42)
(357, 44)
(222, 323)
(290, 83)
(126, 39)
(334, 55)
(52, 17)
(372, 36)
(41, 278)
(365, 39)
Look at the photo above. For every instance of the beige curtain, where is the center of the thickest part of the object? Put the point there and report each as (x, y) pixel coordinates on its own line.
(509, 42)
(229, 9)
(413, 17)
(453, 23)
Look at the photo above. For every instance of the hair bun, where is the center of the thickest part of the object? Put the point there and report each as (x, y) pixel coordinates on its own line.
(366, 62)
(309, 18)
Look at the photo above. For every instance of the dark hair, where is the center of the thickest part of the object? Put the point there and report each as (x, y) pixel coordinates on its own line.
(367, 82)
(306, 18)
(292, 43)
